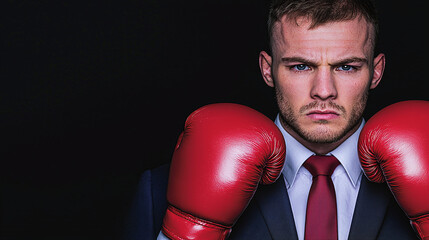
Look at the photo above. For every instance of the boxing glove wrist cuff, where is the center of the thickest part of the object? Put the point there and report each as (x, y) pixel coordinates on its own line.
(179, 225)
(421, 226)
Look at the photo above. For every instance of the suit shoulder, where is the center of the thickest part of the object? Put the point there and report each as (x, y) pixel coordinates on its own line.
(159, 173)
(145, 215)
(155, 182)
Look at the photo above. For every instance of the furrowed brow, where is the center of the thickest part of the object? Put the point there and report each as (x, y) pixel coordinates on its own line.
(350, 60)
(297, 59)
(338, 63)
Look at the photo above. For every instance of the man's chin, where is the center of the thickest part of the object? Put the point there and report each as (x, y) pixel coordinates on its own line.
(322, 134)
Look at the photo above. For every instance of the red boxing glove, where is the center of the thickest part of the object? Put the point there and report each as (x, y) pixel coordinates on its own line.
(223, 153)
(394, 146)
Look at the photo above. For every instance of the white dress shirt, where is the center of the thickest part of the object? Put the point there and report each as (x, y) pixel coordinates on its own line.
(346, 179)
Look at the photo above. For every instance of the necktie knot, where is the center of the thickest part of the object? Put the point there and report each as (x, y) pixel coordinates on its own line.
(321, 165)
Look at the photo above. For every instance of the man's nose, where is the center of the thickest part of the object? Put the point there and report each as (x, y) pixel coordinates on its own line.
(323, 86)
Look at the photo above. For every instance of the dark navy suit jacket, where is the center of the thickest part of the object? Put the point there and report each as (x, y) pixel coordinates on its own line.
(269, 214)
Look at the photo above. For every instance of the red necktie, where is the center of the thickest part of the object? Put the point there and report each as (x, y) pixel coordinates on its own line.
(321, 218)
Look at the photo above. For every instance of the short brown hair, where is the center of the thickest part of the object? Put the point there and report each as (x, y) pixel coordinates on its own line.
(322, 11)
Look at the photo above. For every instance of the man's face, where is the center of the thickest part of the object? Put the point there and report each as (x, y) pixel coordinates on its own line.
(322, 76)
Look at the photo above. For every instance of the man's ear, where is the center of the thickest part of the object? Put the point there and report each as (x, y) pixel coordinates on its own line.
(265, 62)
(379, 64)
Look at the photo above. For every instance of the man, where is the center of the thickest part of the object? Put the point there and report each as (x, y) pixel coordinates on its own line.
(322, 65)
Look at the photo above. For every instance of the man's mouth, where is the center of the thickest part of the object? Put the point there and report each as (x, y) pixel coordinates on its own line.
(323, 114)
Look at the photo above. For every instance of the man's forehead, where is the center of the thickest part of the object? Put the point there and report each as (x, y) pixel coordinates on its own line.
(303, 28)
(307, 23)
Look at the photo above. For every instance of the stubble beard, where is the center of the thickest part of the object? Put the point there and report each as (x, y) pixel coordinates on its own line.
(289, 118)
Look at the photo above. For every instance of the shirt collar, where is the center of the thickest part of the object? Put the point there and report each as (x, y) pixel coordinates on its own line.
(297, 154)
(347, 154)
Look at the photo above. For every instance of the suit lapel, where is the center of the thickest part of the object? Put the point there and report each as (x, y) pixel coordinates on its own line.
(274, 204)
(370, 210)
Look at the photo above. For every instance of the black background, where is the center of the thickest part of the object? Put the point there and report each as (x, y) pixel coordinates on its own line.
(95, 92)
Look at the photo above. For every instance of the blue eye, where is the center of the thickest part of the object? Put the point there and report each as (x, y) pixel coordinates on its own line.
(346, 68)
(300, 67)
